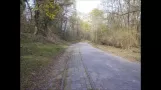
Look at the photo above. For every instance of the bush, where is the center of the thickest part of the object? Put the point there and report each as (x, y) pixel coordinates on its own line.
(121, 39)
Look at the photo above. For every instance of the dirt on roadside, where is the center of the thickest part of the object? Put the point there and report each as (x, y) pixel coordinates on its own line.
(50, 77)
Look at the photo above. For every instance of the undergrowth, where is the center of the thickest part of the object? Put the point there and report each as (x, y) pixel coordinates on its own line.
(36, 53)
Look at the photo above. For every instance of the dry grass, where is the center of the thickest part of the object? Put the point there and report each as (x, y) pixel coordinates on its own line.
(132, 54)
(121, 38)
(121, 42)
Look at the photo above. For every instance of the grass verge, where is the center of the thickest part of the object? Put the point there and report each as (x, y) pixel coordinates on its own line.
(36, 55)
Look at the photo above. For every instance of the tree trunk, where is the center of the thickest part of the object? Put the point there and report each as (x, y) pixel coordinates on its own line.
(128, 14)
(37, 12)
(29, 8)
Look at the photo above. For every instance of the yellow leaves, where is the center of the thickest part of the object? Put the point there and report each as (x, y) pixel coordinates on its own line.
(51, 9)
(51, 5)
(48, 8)
(51, 16)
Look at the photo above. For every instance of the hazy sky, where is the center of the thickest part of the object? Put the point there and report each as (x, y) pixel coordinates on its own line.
(85, 6)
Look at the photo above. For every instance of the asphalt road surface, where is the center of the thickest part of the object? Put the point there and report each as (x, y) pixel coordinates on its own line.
(89, 68)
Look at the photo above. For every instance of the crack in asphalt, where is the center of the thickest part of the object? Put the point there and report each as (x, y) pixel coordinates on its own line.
(86, 71)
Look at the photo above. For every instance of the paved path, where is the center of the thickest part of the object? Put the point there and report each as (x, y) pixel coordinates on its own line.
(89, 68)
